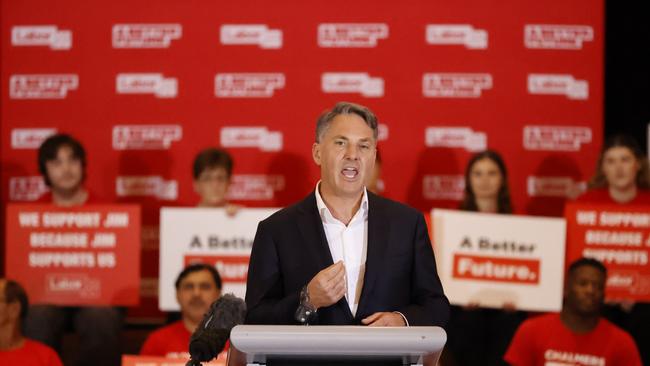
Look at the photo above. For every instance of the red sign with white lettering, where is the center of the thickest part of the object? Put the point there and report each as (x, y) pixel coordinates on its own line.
(511, 270)
(233, 269)
(618, 236)
(88, 255)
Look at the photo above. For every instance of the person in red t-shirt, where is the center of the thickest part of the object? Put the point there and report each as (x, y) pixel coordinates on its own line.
(14, 348)
(623, 177)
(578, 335)
(62, 163)
(197, 287)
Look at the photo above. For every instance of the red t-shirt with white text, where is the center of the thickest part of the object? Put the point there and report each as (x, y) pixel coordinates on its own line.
(31, 353)
(546, 341)
(602, 196)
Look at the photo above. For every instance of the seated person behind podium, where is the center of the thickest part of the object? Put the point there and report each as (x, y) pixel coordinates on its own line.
(197, 287)
(578, 335)
(14, 348)
(62, 163)
(212, 173)
(344, 255)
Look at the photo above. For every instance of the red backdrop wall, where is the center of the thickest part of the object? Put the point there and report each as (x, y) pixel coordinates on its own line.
(145, 85)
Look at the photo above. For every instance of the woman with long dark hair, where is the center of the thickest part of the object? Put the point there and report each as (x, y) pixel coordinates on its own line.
(480, 336)
(486, 184)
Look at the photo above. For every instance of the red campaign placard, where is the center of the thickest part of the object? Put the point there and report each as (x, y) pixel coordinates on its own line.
(509, 270)
(617, 235)
(233, 269)
(75, 256)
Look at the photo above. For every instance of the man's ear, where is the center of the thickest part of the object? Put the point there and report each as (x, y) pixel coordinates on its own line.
(565, 288)
(315, 153)
(178, 298)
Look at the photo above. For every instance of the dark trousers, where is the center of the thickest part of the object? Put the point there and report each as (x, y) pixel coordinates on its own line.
(636, 322)
(479, 336)
(98, 329)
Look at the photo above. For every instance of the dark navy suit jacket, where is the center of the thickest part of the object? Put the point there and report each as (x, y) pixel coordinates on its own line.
(290, 248)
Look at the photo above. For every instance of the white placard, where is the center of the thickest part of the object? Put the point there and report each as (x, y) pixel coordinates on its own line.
(207, 235)
(493, 259)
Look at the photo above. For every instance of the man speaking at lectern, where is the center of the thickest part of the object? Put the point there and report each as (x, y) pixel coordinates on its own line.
(344, 256)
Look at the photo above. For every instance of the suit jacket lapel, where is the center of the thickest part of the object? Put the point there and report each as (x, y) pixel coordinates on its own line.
(313, 233)
(378, 230)
(311, 229)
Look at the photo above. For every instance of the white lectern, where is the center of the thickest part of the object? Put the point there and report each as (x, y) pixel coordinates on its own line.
(282, 345)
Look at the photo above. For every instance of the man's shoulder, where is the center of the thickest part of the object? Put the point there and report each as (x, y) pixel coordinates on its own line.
(169, 330)
(375, 204)
(390, 207)
(542, 321)
(35, 346)
(614, 330)
(291, 212)
(41, 351)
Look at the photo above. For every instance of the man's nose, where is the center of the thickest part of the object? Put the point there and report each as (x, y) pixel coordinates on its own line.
(592, 288)
(67, 165)
(352, 152)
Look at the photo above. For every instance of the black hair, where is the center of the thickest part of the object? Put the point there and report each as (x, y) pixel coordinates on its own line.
(212, 158)
(581, 262)
(197, 267)
(503, 197)
(49, 150)
(15, 292)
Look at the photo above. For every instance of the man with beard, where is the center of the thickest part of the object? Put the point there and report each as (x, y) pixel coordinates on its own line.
(578, 335)
(197, 287)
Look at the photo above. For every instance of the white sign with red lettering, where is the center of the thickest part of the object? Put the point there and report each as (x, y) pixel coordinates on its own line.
(206, 235)
(495, 260)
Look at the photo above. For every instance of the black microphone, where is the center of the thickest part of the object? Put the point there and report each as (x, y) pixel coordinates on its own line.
(210, 337)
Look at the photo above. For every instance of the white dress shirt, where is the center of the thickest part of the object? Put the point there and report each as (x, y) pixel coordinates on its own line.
(348, 243)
